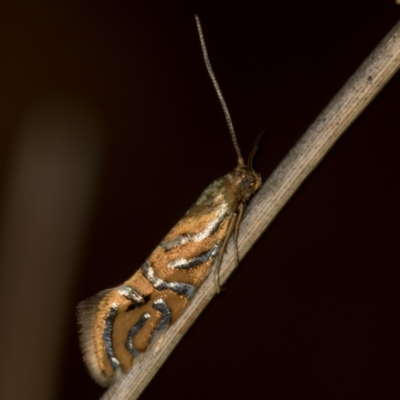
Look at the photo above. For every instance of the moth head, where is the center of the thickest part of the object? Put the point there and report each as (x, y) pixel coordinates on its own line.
(247, 181)
(250, 180)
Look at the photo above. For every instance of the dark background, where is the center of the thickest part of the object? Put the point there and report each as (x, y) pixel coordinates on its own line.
(310, 313)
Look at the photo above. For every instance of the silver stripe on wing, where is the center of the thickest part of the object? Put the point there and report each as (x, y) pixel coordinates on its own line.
(107, 336)
(183, 263)
(133, 332)
(184, 289)
(132, 295)
(209, 230)
(165, 320)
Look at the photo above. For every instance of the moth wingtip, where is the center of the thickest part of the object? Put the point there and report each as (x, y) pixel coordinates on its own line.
(86, 313)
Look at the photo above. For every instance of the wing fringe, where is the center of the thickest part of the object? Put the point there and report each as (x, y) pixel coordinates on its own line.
(86, 316)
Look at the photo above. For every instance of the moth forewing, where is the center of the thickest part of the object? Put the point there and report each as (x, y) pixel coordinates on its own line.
(118, 325)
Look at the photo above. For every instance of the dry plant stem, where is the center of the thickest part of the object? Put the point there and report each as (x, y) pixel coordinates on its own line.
(345, 107)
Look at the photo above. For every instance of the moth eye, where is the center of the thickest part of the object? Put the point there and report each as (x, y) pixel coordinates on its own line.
(250, 182)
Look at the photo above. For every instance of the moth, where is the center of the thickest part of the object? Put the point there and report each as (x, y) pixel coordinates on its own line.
(118, 325)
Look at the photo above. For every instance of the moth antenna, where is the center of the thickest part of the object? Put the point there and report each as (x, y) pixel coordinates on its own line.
(219, 93)
(254, 151)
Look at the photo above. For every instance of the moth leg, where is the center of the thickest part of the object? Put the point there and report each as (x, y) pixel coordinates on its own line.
(222, 251)
(237, 225)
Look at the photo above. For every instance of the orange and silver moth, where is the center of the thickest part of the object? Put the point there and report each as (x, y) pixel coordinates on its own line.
(118, 324)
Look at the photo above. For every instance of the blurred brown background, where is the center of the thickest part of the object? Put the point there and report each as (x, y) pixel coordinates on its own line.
(110, 129)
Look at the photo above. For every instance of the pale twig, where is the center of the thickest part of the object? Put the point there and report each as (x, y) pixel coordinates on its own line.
(345, 107)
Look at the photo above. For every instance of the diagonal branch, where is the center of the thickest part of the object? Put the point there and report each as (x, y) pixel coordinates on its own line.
(344, 108)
